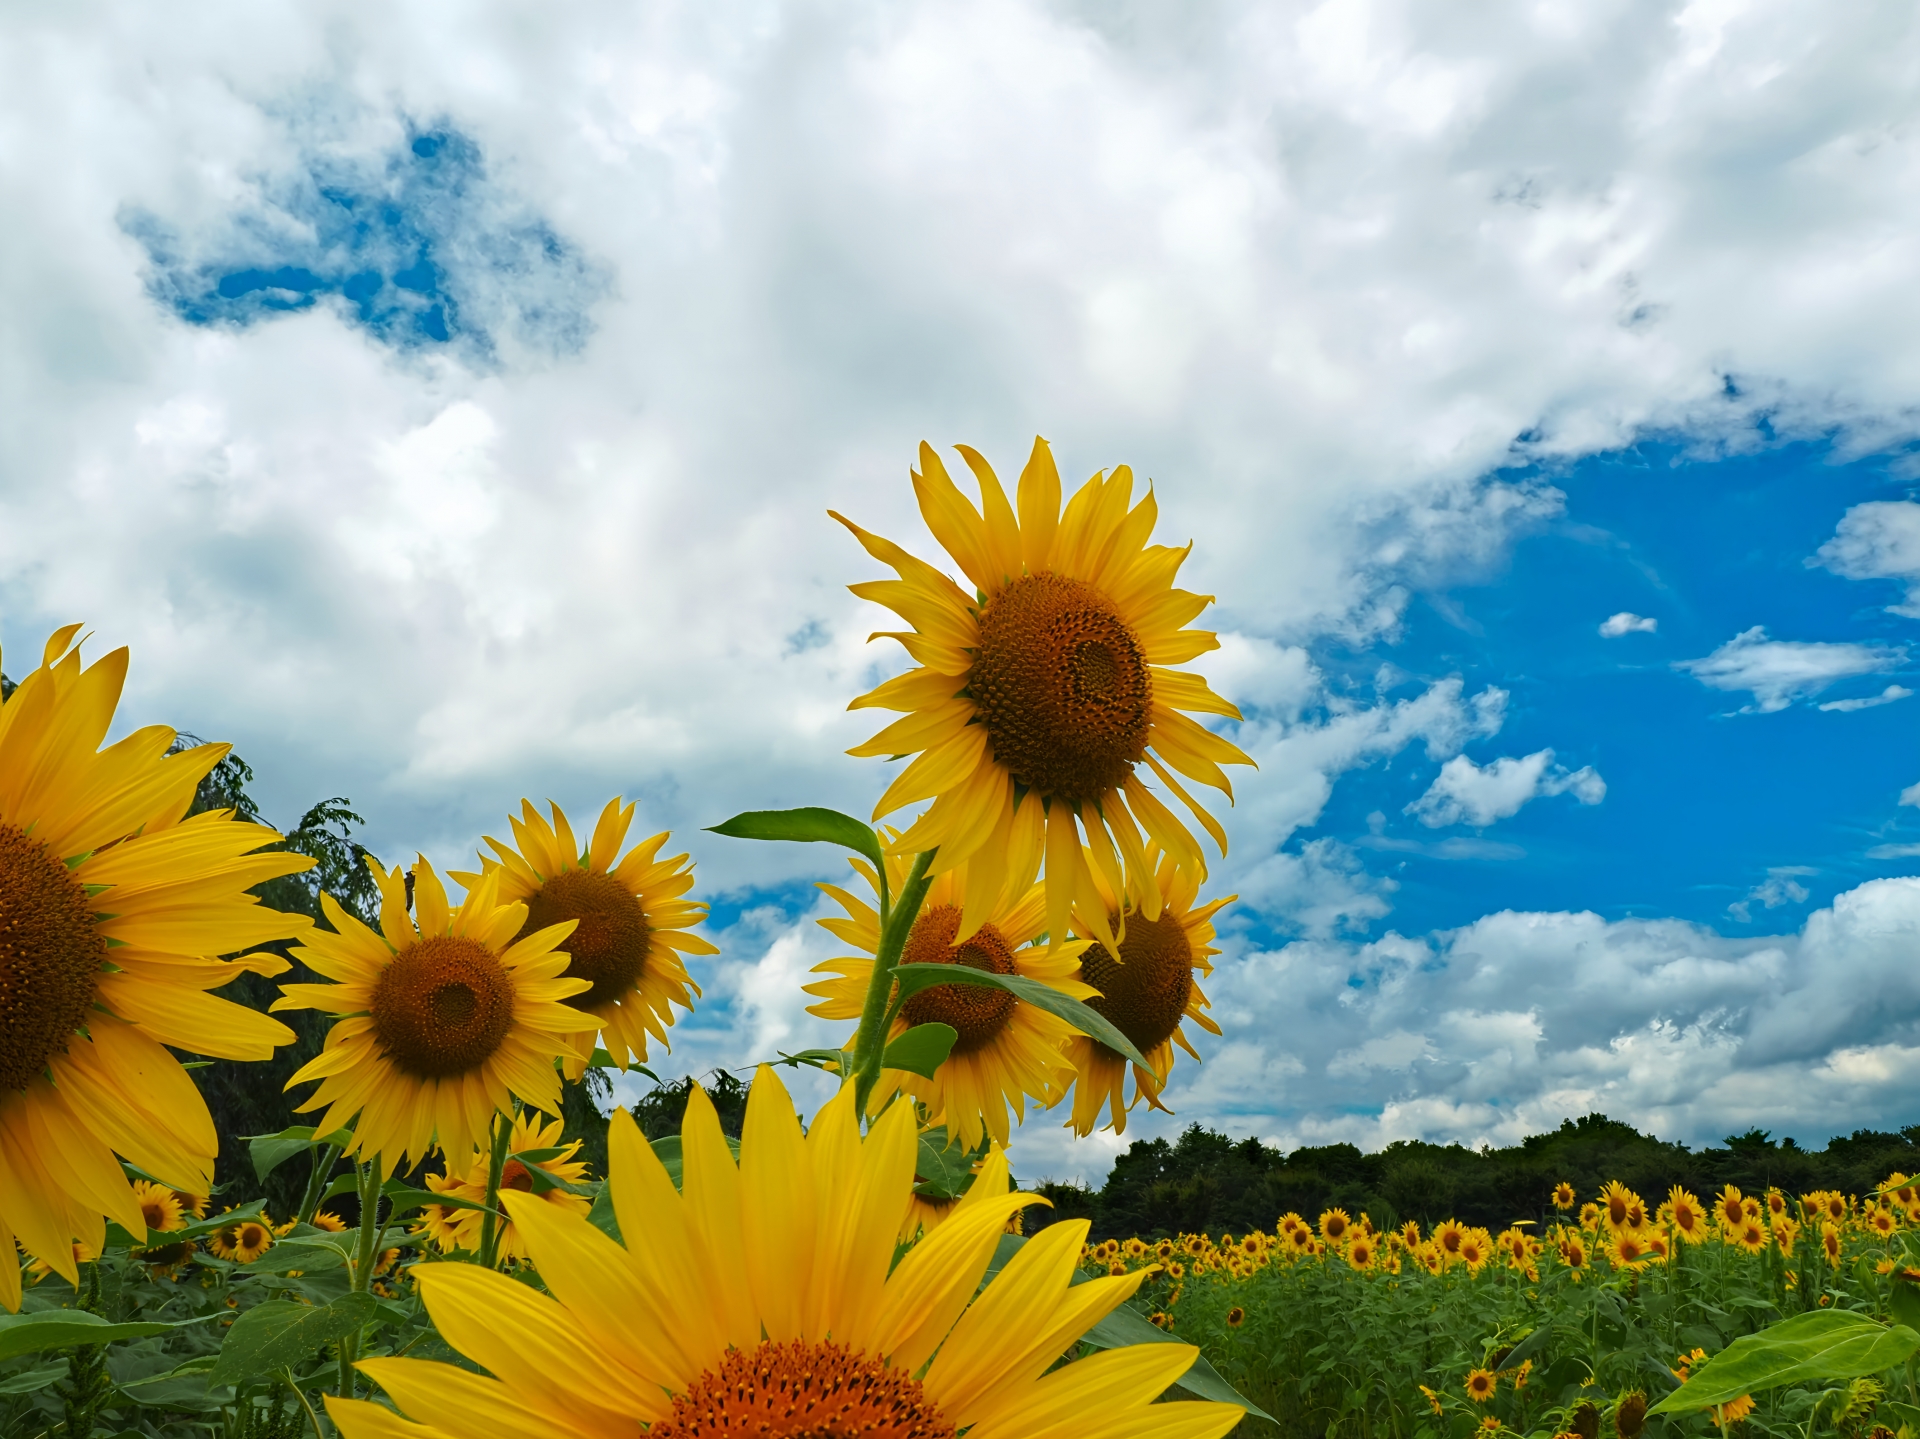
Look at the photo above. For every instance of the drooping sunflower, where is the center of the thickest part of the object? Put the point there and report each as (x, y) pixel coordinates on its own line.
(1147, 988)
(762, 1298)
(631, 922)
(459, 1228)
(1042, 687)
(1008, 1051)
(113, 905)
(444, 1018)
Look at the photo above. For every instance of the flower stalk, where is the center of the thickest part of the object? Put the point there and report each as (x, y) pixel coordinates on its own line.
(870, 1040)
(496, 1166)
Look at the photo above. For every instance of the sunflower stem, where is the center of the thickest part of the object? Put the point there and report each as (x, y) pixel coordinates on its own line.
(363, 1249)
(870, 1040)
(496, 1166)
(323, 1161)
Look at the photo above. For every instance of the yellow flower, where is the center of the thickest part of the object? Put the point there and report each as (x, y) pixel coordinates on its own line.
(444, 1016)
(1632, 1249)
(1490, 1425)
(1730, 1209)
(1236, 1316)
(1042, 686)
(1688, 1218)
(159, 1205)
(631, 921)
(1480, 1385)
(1448, 1236)
(1750, 1236)
(768, 1286)
(1334, 1224)
(459, 1228)
(1733, 1411)
(115, 906)
(1008, 1051)
(1621, 1204)
(1146, 988)
(243, 1241)
(1563, 1195)
(1433, 1399)
(1361, 1252)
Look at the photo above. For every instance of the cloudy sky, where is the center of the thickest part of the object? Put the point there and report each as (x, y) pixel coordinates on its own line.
(444, 403)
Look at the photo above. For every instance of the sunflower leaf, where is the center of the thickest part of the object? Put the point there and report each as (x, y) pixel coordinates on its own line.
(602, 1059)
(405, 1197)
(811, 824)
(944, 1167)
(64, 1328)
(922, 1049)
(912, 978)
(270, 1151)
(1824, 1345)
(278, 1332)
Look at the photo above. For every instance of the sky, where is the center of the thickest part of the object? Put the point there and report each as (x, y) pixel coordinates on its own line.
(444, 403)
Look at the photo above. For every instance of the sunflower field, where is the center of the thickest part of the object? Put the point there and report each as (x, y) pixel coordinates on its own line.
(1582, 1328)
(454, 1250)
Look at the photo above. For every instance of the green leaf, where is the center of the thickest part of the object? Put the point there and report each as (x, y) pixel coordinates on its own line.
(827, 1059)
(545, 1179)
(944, 1166)
(279, 1332)
(601, 1216)
(33, 1380)
(1823, 1345)
(64, 1328)
(922, 1049)
(912, 978)
(270, 1151)
(1529, 1347)
(809, 825)
(603, 1060)
(1905, 1301)
(1126, 1326)
(308, 1256)
(404, 1197)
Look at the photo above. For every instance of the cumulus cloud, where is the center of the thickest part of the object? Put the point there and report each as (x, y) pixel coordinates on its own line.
(1479, 795)
(1878, 540)
(1778, 672)
(1781, 886)
(1627, 623)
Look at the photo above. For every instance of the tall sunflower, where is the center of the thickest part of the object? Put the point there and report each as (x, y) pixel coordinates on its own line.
(456, 1228)
(442, 1021)
(112, 908)
(1042, 687)
(1008, 1051)
(631, 921)
(762, 1299)
(1147, 988)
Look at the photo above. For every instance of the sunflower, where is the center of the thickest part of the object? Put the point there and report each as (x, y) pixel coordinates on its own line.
(1448, 1237)
(459, 1228)
(1733, 1411)
(1590, 1216)
(1410, 1233)
(1776, 1203)
(1689, 1220)
(440, 1223)
(1433, 1399)
(1041, 688)
(1236, 1316)
(1476, 1248)
(1573, 1251)
(631, 921)
(1881, 1221)
(1481, 1384)
(243, 1241)
(763, 1298)
(1750, 1236)
(326, 1219)
(1632, 1250)
(1563, 1196)
(1146, 987)
(1361, 1252)
(1730, 1209)
(1334, 1224)
(165, 1261)
(1830, 1241)
(1786, 1233)
(1620, 1203)
(114, 906)
(1007, 1051)
(443, 1017)
(159, 1205)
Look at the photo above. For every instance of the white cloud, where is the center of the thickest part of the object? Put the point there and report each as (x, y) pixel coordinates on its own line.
(1627, 623)
(1781, 886)
(1886, 697)
(1878, 540)
(1910, 795)
(1480, 795)
(1778, 672)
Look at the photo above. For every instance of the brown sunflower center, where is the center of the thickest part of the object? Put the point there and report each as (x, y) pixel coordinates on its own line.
(50, 956)
(1145, 991)
(609, 944)
(156, 1214)
(513, 1175)
(802, 1390)
(976, 1012)
(254, 1236)
(1062, 685)
(165, 1255)
(442, 1007)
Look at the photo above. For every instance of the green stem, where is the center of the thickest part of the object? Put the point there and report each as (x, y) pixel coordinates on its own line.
(323, 1162)
(362, 1276)
(312, 1418)
(496, 1164)
(870, 1041)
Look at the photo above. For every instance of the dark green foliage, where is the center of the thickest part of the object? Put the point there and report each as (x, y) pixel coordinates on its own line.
(660, 1110)
(6, 686)
(580, 1108)
(1207, 1183)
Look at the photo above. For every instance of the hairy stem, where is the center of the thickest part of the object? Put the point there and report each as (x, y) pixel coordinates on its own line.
(324, 1159)
(870, 1041)
(496, 1165)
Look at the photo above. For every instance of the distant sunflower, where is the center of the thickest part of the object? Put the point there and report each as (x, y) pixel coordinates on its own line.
(1334, 1224)
(1236, 1316)
(1008, 1051)
(1776, 1203)
(1730, 1209)
(1563, 1195)
(1361, 1252)
(243, 1241)
(1751, 1236)
(1147, 988)
(166, 1261)
(1632, 1249)
(113, 906)
(1410, 1233)
(1591, 1216)
(1042, 686)
(1448, 1236)
(159, 1205)
(1688, 1218)
(1573, 1251)
(762, 1298)
(460, 1228)
(443, 1018)
(1620, 1205)
(1481, 1385)
(1830, 1242)
(1786, 1233)
(1476, 1248)
(630, 921)
(1881, 1222)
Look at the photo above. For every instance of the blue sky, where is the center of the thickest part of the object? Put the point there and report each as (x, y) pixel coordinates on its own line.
(446, 415)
